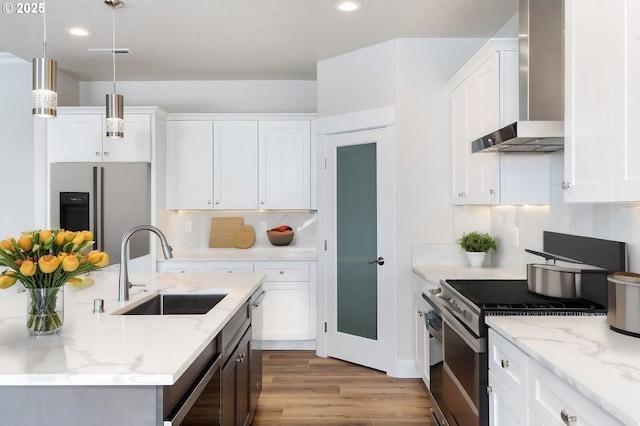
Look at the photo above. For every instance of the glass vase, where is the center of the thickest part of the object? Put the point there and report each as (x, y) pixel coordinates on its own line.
(45, 310)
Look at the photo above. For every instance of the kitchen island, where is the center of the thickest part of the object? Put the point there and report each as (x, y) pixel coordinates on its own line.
(601, 365)
(103, 367)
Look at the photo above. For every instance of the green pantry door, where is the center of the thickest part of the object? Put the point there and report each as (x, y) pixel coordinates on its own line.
(357, 188)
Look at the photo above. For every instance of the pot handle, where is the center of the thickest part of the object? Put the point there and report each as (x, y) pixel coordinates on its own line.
(553, 257)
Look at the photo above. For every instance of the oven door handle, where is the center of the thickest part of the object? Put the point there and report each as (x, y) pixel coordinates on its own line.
(478, 344)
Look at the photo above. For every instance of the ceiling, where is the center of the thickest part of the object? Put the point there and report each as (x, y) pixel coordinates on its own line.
(233, 39)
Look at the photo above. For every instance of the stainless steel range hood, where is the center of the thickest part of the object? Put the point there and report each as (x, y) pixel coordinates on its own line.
(540, 127)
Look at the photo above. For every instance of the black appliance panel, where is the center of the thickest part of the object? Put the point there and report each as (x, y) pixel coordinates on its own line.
(74, 211)
(514, 295)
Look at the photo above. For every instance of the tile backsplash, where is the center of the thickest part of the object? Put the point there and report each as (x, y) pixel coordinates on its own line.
(304, 225)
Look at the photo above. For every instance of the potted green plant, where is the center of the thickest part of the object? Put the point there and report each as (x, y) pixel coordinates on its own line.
(476, 245)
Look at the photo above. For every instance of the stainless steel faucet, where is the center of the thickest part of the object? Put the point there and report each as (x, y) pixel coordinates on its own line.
(124, 284)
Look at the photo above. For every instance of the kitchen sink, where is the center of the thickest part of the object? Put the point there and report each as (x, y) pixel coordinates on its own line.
(197, 303)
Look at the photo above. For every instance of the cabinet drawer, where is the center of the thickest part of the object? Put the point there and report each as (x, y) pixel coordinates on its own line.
(509, 364)
(284, 271)
(229, 267)
(182, 267)
(234, 329)
(551, 399)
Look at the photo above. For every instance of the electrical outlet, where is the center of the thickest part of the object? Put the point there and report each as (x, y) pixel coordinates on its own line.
(188, 226)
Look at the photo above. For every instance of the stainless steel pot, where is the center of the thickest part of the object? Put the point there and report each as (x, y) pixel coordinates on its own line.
(623, 313)
(554, 281)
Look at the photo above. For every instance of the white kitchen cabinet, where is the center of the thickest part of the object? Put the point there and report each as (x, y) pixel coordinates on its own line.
(522, 391)
(189, 165)
(422, 336)
(555, 402)
(229, 267)
(484, 98)
(73, 137)
(235, 164)
(475, 112)
(285, 164)
(422, 343)
(238, 164)
(509, 364)
(286, 304)
(505, 408)
(602, 58)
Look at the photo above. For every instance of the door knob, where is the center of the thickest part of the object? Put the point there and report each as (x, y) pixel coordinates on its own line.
(379, 261)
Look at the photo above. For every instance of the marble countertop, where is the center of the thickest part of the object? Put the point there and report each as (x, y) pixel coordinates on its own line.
(251, 254)
(116, 350)
(601, 364)
(434, 273)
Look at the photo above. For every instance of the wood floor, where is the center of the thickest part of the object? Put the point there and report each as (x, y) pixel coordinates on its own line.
(300, 388)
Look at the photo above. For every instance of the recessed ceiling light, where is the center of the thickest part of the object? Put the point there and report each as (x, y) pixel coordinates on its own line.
(348, 6)
(78, 32)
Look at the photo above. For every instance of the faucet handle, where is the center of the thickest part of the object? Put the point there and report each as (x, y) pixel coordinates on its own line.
(136, 285)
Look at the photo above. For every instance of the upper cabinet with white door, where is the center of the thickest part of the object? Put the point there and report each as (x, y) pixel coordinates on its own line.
(285, 164)
(238, 164)
(602, 60)
(484, 98)
(189, 165)
(77, 135)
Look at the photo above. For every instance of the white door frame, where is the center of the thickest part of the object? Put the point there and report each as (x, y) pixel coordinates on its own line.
(382, 119)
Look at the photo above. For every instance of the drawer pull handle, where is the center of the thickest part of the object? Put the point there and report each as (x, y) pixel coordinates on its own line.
(504, 363)
(281, 272)
(568, 419)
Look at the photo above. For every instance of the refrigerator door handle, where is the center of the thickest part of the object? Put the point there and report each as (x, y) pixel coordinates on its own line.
(96, 229)
(101, 206)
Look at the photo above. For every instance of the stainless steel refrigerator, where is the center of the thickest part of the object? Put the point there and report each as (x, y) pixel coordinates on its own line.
(107, 198)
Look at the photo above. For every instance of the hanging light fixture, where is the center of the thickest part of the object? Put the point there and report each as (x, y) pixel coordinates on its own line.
(44, 96)
(115, 103)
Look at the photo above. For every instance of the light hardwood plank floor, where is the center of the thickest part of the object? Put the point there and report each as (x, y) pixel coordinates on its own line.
(300, 388)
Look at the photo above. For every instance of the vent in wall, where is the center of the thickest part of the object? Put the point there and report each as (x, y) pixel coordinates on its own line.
(108, 51)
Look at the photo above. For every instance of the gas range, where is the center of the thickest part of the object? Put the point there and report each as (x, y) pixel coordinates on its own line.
(471, 300)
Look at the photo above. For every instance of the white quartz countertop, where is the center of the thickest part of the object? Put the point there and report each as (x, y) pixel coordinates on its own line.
(116, 350)
(601, 364)
(435, 273)
(251, 254)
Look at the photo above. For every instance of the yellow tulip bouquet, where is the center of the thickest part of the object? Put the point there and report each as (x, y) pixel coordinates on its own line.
(44, 261)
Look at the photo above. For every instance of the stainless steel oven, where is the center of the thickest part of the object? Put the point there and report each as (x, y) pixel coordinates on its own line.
(463, 373)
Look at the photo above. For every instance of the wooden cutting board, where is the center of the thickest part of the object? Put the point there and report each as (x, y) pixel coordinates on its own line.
(223, 231)
(245, 237)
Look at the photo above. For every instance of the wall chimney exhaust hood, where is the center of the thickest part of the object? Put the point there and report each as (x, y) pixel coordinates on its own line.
(540, 127)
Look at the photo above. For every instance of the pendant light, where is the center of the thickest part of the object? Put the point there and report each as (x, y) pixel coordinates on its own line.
(114, 123)
(44, 96)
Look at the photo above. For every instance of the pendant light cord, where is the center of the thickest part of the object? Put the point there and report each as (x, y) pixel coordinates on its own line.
(113, 52)
(44, 29)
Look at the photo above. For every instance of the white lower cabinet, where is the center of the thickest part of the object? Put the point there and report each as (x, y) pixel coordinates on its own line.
(286, 304)
(289, 304)
(229, 267)
(523, 392)
(505, 408)
(554, 402)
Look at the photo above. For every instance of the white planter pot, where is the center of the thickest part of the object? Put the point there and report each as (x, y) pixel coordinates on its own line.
(476, 259)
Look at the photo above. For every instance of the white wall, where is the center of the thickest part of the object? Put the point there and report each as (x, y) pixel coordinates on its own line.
(16, 146)
(360, 80)
(208, 96)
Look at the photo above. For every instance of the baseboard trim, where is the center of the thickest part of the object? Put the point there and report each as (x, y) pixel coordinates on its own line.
(284, 345)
